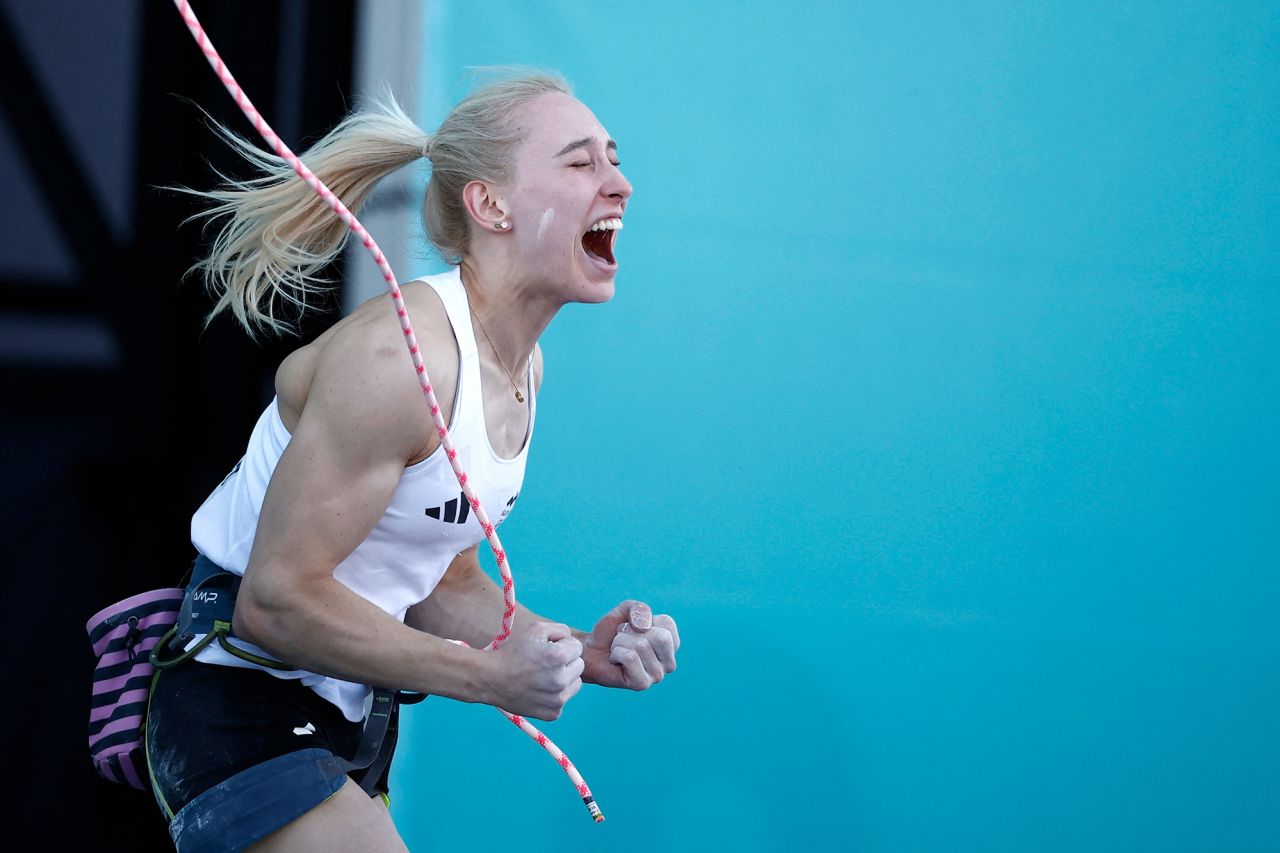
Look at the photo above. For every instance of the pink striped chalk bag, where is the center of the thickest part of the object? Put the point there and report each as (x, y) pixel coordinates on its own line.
(122, 637)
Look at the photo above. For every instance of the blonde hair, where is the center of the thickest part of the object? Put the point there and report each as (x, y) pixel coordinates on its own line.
(276, 234)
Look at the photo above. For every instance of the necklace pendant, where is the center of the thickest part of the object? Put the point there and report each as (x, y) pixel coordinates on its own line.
(519, 396)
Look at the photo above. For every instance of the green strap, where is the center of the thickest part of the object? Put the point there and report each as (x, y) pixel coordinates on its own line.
(221, 630)
(161, 663)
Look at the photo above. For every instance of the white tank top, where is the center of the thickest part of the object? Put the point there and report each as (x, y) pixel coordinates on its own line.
(426, 525)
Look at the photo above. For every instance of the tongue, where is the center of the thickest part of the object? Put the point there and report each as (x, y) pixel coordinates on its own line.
(599, 244)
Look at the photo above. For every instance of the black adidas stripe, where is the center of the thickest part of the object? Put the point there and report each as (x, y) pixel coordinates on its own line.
(458, 510)
(455, 510)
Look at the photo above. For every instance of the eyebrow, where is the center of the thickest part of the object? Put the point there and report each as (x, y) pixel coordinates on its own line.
(584, 142)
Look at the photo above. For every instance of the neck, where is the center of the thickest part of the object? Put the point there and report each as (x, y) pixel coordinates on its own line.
(511, 311)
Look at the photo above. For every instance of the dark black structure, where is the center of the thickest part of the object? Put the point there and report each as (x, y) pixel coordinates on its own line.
(120, 411)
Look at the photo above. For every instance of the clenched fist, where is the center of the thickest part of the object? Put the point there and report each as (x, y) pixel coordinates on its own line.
(630, 647)
(536, 672)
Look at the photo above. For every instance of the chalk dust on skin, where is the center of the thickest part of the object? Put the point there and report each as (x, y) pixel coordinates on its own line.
(547, 215)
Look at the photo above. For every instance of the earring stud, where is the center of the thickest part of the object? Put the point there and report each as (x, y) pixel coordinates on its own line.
(502, 225)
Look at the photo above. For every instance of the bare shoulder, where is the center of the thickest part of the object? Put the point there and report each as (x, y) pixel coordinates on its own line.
(361, 371)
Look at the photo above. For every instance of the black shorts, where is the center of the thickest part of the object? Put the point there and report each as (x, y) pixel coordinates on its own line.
(235, 754)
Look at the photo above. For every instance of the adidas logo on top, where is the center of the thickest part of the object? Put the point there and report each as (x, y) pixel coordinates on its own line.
(458, 510)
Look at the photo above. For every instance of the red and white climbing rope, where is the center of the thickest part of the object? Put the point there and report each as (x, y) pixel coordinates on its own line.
(349, 219)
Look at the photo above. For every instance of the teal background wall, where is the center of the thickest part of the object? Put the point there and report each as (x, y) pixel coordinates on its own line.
(938, 403)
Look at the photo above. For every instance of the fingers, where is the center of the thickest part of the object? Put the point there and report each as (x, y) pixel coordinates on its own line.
(564, 646)
(644, 645)
(560, 678)
(659, 639)
(566, 684)
(550, 631)
(645, 658)
(663, 643)
(640, 617)
(568, 650)
(652, 666)
(665, 621)
(634, 675)
(564, 660)
(543, 671)
(574, 669)
(662, 637)
(636, 616)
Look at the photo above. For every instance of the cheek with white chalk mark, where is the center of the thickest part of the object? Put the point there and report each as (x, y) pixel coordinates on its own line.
(547, 215)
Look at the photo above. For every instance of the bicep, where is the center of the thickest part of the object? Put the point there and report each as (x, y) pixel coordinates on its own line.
(321, 504)
(335, 478)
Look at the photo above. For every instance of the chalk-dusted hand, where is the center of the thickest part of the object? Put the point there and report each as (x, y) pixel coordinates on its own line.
(538, 671)
(630, 647)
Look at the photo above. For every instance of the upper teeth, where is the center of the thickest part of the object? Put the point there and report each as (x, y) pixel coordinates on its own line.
(607, 225)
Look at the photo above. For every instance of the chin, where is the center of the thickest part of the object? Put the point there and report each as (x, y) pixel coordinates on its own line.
(596, 280)
(596, 292)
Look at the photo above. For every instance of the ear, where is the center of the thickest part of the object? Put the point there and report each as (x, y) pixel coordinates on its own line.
(487, 209)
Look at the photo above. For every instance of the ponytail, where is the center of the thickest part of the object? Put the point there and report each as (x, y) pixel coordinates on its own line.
(277, 234)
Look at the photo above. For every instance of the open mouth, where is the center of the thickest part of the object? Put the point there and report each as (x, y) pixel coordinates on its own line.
(599, 239)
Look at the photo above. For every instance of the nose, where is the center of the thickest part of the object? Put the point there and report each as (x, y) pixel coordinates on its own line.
(617, 186)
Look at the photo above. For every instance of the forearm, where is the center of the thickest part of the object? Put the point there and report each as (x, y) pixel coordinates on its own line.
(334, 632)
(467, 605)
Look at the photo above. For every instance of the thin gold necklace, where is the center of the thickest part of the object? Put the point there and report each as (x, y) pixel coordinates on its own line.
(515, 387)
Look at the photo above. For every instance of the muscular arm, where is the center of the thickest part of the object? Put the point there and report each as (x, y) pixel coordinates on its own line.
(362, 421)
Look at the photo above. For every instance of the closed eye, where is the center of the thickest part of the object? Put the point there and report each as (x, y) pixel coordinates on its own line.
(614, 163)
